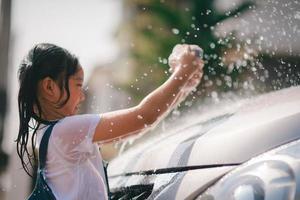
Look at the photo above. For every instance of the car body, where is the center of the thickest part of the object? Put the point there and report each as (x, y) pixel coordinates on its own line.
(249, 149)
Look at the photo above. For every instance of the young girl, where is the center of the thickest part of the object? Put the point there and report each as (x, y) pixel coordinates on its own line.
(51, 81)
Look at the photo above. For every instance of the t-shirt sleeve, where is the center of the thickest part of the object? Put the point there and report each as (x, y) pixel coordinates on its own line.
(73, 136)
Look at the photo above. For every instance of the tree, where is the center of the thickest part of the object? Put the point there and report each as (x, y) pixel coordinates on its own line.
(157, 25)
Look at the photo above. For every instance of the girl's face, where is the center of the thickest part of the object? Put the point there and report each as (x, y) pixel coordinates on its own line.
(50, 96)
(76, 94)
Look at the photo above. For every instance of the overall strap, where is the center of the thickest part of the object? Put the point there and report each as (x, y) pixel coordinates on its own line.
(105, 165)
(44, 146)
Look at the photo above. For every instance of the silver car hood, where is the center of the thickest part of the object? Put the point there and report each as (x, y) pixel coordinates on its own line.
(254, 127)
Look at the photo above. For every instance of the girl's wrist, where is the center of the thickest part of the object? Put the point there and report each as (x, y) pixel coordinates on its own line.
(181, 76)
(183, 72)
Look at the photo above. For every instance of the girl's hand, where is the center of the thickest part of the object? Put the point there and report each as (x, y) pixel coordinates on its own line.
(194, 81)
(186, 64)
(185, 58)
(190, 85)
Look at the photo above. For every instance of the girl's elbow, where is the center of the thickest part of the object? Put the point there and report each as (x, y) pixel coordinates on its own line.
(149, 116)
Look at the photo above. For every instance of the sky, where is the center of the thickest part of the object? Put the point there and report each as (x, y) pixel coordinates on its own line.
(83, 27)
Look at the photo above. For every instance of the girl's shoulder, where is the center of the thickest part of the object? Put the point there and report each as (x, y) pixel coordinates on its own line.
(73, 135)
(76, 126)
(77, 121)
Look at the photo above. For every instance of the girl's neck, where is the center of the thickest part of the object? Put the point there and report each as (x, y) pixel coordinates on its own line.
(50, 114)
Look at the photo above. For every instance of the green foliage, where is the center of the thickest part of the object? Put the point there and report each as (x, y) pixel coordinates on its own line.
(158, 25)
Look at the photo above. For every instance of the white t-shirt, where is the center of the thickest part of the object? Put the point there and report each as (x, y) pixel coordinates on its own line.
(74, 167)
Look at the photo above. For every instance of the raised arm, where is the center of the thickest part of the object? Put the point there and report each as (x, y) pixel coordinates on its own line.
(133, 120)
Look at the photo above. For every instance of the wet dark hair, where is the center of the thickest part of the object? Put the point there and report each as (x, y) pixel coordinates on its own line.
(43, 60)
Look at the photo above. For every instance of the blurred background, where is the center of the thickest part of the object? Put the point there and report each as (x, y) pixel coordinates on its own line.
(251, 47)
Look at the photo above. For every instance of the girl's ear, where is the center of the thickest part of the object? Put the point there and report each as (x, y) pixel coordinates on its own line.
(50, 87)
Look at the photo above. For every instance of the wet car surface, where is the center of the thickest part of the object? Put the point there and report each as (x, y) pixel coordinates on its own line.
(255, 145)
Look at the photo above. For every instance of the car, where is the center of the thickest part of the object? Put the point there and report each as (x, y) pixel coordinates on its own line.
(246, 150)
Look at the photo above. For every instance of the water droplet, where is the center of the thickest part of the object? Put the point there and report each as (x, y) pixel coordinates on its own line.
(165, 61)
(175, 31)
(297, 15)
